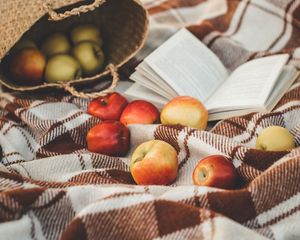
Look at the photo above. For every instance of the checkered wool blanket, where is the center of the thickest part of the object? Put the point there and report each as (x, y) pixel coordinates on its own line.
(53, 188)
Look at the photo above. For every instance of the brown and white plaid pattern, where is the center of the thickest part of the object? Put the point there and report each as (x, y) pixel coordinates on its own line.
(53, 188)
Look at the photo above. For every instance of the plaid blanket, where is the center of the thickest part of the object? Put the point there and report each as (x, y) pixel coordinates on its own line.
(53, 188)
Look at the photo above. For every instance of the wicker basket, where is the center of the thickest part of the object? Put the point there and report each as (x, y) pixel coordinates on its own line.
(124, 26)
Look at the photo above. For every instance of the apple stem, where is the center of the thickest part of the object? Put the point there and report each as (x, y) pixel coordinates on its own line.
(263, 147)
(103, 102)
(203, 173)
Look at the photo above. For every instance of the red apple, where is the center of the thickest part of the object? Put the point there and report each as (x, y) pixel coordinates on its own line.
(215, 171)
(110, 138)
(140, 112)
(109, 107)
(154, 163)
(27, 66)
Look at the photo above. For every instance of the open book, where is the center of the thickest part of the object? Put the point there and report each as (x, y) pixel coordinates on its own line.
(183, 65)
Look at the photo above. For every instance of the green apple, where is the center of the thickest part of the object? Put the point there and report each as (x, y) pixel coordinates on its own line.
(24, 44)
(90, 56)
(57, 43)
(86, 32)
(275, 138)
(62, 68)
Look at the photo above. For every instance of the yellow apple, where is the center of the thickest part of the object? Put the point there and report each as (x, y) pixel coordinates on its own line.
(186, 111)
(275, 138)
(154, 163)
(56, 43)
(90, 57)
(62, 68)
(86, 32)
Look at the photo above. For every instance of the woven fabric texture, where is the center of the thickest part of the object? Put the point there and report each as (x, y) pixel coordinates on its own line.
(53, 188)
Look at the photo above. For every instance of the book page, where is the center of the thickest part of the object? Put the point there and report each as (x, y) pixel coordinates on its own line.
(188, 66)
(145, 70)
(284, 82)
(136, 91)
(286, 79)
(233, 113)
(249, 85)
(144, 81)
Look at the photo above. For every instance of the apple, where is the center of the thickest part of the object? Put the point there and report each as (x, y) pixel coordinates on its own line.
(275, 138)
(109, 107)
(215, 171)
(27, 66)
(56, 43)
(109, 137)
(140, 112)
(86, 32)
(62, 68)
(186, 111)
(90, 57)
(154, 163)
(23, 44)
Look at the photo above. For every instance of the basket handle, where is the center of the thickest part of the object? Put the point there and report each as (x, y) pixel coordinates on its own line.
(115, 78)
(54, 16)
